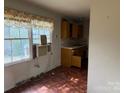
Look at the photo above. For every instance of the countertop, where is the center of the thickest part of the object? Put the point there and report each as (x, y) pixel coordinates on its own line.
(73, 47)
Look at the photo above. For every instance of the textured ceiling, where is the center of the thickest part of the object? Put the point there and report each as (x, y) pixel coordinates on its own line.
(73, 8)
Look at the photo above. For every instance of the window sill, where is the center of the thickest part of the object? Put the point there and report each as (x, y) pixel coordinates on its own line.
(17, 62)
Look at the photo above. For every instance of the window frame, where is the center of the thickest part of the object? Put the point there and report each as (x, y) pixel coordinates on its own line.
(30, 38)
(30, 49)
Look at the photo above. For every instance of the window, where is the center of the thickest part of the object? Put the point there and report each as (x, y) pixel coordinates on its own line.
(16, 43)
(41, 31)
(20, 29)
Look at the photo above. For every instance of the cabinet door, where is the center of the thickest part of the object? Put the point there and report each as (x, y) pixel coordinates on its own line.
(65, 32)
(76, 61)
(75, 31)
(66, 55)
(80, 31)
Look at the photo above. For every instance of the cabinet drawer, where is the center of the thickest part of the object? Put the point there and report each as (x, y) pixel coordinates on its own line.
(76, 61)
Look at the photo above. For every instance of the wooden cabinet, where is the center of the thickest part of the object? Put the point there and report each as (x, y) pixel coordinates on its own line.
(76, 31)
(71, 30)
(65, 29)
(77, 56)
(79, 51)
(71, 57)
(76, 61)
(66, 55)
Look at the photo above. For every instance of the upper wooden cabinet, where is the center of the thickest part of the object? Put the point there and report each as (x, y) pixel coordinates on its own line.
(70, 30)
(76, 31)
(65, 29)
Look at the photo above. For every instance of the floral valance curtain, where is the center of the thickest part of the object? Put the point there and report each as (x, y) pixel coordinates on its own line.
(19, 18)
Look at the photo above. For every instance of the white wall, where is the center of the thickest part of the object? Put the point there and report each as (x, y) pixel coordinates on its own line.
(104, 47)
(22, 71)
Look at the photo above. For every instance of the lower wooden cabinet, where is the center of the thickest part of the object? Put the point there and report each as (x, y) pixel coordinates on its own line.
(71, 57)
(66, 55)
(76, 61)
